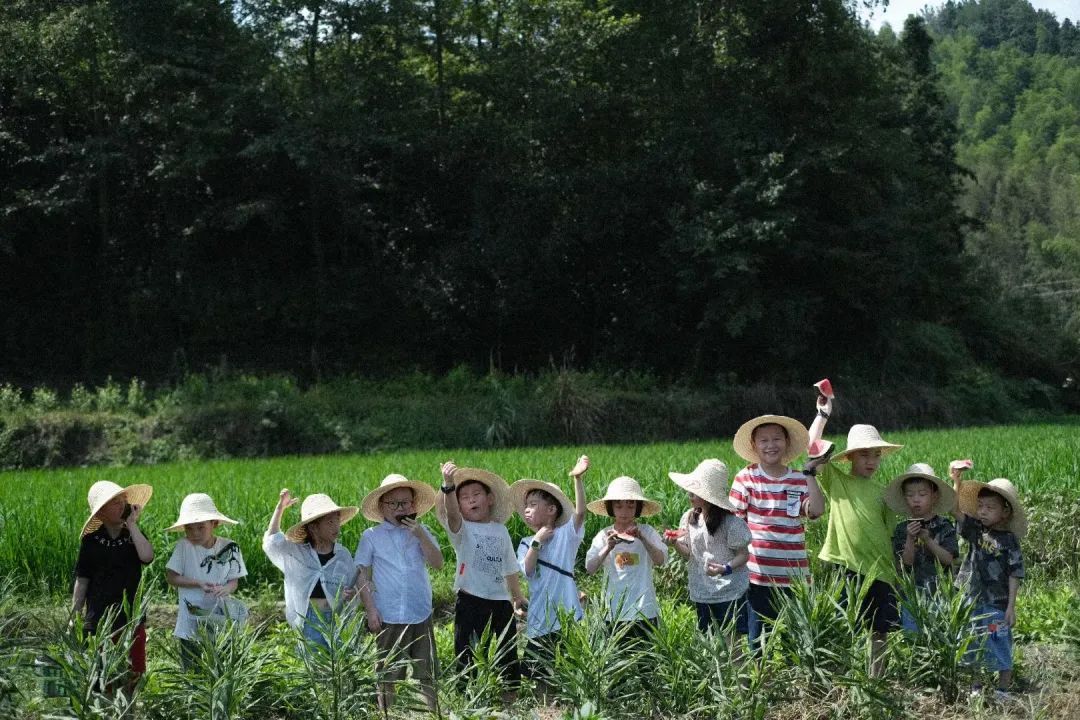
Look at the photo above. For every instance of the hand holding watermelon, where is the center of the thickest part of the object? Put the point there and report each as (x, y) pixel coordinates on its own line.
(825, 397)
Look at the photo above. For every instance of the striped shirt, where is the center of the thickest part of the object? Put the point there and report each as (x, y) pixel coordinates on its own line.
(774, 509)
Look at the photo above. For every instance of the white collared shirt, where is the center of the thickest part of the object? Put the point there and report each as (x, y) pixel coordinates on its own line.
(399, 572)
(300, 564)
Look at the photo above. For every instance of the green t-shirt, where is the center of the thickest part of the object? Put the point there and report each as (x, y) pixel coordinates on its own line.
(860, 524)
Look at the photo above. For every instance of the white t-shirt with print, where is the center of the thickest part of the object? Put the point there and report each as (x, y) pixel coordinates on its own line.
(629, 592)
(217, 564)
(485, 557)
(550, 589)
(732, 536)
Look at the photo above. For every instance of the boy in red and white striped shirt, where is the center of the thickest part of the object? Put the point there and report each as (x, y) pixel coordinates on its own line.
(773, 499)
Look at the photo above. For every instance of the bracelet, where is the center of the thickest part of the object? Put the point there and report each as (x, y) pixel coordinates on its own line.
(727, 569)
(447, 489)
(536, 545)
(822, 414)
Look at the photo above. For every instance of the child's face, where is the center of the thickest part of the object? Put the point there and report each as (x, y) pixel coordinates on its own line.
(112, 512)
(200, 533)
(771, 444)
(921, 496)
(992, 511)
(326, 529)
(864, 463)
(396, 504)
(475, 502)
(695, 502)
(538, 511)
(625, 511)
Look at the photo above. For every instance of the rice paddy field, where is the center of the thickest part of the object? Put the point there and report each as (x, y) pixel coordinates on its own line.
(41, 513)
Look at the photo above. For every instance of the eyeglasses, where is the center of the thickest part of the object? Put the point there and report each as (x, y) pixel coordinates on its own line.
(397, 504)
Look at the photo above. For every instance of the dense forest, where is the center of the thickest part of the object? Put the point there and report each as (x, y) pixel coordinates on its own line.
(698, 189)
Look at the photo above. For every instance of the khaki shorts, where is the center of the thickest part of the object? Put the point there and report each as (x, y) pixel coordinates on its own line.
(412, 645)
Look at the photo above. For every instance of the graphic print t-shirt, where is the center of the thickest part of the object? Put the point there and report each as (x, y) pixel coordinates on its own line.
(217, 565)
(485, 556)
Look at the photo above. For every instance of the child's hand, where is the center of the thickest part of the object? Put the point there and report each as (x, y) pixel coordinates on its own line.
(1010, 616)
(521, 606)
(824, 405)
(612, 539)
(213, 590)
(673, 536)
(286, 500)
(712, 569)
(957, 468)
(413, 526)
(544, 534)
(581, 467)
(914, 528)
(448, 469)
(374, 621)
(133, 516)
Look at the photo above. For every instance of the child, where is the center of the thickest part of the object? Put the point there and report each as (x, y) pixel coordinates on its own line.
(926, 541)
(318, 570)
(473, 506)
(773, 499)
(205, 569)
(716, 545)
(628, 552)
(547, 559)
(109, 568)
(858, 538)
(992, 521)
(395, 555)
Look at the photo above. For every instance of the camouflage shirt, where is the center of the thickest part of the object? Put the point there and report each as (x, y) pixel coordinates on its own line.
(925, 565)
(993, 556)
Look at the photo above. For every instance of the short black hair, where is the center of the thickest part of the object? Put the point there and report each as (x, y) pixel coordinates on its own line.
(914, 480)
(467, 483)
(988, 493)
(609, 505)
(753, 433)
(548, 498)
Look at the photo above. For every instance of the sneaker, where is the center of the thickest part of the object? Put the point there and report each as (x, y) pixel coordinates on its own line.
(1002, 696)
(976, 690)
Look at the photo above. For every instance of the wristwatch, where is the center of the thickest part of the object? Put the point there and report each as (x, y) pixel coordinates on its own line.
(727, 569)
(809, 471)
(447, 489)
(536, 544)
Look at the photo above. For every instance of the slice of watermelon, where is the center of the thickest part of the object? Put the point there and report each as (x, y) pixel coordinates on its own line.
(674, 534)
(819, 448)
(962, 465)
(824, 387)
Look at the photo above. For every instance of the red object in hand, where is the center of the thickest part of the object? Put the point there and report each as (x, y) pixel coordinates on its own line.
(818, 448)
(962, 464)
(674, 534)
(824, 387)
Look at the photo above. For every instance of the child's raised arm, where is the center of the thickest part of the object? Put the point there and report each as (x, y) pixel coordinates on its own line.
(956, 472)
(447, 499)
(578, 473)
(824, 412)
(285, 500)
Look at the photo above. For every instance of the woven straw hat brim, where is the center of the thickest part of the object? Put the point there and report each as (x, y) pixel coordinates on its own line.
(624, 488)
(135, 495)
(969, 502)
(423, 499)
(521, 489)
(868, 439)
(501, 509)
(298, 532)
(894, 494)
(798, 437)
(709, 492)
(196, 508)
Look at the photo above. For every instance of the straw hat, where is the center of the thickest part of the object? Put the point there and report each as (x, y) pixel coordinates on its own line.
(521, 489)
(709, 481)
(969, 502)
(894, 491)
(501, 509)
(624, 488)
(798, 437)
(314, 507)
(423, 496)
(865, 437)
(195, 508)
(103, 491)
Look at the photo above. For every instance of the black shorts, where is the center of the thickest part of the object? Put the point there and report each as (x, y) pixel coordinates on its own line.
(878, 607)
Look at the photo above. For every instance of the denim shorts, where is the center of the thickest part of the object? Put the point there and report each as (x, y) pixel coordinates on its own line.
(994, 637)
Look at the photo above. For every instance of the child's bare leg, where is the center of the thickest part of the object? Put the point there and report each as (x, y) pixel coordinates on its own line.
(1005, 679)
(877, 654)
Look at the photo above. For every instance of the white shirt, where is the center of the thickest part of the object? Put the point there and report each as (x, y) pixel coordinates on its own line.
(399, 572)
(628, 588)
(732, 536)
(300, 564)
(550, 589)
(485, 558)
(217, 564)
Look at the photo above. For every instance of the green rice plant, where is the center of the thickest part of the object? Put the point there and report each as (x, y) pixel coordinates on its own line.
(474, 690)
(596, 663)
(735, 684)
(934, 655)
(227, 678)
(93, 666)
(338, 681)
(19, 639)
(674, 677)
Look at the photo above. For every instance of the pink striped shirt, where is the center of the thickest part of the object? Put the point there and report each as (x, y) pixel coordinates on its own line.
(774, 509)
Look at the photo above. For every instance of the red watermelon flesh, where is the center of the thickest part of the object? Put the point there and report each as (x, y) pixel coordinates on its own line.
(824, 387)
(965, 464)
(818, 448)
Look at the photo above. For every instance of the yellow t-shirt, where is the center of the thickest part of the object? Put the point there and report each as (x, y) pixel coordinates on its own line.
(860, 524)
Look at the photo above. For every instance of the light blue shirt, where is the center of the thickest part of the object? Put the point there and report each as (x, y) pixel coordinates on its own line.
(398, 571)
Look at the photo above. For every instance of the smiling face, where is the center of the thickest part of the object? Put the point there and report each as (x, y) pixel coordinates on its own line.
(201, 533)
(396, 504)
(540, 510)
(864, 463)
(475, 501)
(921, 496)
(993, 510)
(770, 444)
(112, 512)
(325, 530)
